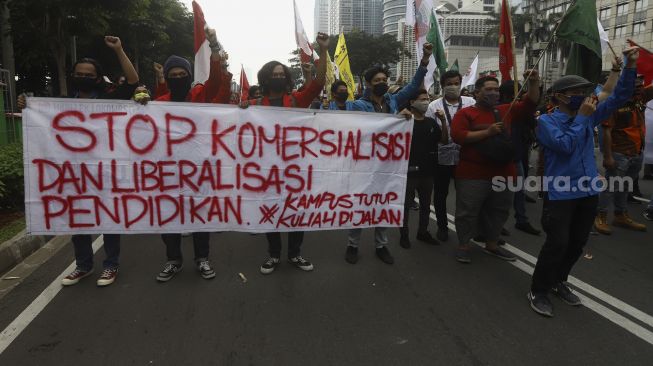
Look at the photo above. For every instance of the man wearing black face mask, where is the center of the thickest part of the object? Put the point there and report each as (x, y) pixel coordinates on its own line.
(87, 83)
(178, 76)
(480, 209)
(567, 139)
(376, 99)
(339, 93)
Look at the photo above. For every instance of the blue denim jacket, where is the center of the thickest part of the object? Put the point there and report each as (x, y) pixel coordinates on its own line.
(568, 144)
(394, 100)
(333, 106)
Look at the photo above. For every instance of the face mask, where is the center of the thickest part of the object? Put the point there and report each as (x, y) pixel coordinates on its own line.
(141, 96)
(84, 84)
(490, 99)
(420, 106)
(575, 101)
(452, 91)
(179, 88)
(380, 89)
(277, 85)
(342, 96)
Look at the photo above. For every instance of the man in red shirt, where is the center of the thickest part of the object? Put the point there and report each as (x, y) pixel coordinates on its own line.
(481, 208)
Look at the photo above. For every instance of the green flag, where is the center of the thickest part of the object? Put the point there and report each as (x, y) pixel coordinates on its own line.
(435, 38)
(579, 27)
(455, 66)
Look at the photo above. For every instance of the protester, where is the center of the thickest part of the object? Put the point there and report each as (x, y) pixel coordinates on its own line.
(254, 92)
(444, 110)
(87, 81)
(567, 138)
(276, 83)
(623, 154)
(178, 78)
(339, 95)
(523, 136)
(141, 94)
(377, 99)
(423, 158)
(486, 152)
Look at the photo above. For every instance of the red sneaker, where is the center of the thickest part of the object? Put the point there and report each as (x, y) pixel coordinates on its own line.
(75, 276)
(107, 277)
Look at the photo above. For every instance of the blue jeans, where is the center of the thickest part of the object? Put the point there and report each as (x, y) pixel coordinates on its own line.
(624, 166)
(84, 251)
(519, 203)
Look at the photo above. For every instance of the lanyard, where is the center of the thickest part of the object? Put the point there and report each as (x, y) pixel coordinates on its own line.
(446, 109)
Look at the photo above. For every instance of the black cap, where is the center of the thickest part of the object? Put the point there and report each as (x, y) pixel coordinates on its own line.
(570, 82)
(176, 61)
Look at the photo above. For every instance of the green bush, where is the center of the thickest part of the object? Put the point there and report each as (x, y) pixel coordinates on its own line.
(12, 184)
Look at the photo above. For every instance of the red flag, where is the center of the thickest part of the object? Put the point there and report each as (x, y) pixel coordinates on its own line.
(244, 85)
(644, 63)
(202, 49)
(506, 55)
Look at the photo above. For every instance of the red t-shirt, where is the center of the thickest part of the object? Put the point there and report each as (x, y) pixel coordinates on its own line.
(473, 164)
(297, 99)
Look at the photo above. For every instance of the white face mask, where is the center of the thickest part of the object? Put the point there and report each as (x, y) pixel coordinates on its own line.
(452, 91)
(420, 106)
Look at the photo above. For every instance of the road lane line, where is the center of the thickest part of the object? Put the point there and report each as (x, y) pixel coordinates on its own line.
(602, 310)
(21, 322)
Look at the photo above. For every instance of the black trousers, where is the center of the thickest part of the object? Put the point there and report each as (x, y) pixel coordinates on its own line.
(423, 184)
(443, 175)
(567, 224)
(173, 246)
(295, 239)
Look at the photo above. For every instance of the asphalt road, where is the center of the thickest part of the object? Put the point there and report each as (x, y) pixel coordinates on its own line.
(426, 309)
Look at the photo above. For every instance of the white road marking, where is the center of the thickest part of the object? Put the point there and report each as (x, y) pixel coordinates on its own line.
(21, 322)
(528, 266)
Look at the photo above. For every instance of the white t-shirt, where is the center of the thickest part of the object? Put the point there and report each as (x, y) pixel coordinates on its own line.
(448, 154)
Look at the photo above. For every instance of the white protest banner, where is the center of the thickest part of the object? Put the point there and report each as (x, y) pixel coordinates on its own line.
(648, 145)
(95, 166)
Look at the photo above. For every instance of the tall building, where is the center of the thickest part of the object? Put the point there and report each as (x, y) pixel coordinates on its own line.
(393, 12)
(321, 15)
(347, 15)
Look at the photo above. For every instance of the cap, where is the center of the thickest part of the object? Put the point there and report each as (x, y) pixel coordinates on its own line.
(570, 82)
(176, 61)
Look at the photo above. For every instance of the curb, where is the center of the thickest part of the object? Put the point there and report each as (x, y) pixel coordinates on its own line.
(16, 249)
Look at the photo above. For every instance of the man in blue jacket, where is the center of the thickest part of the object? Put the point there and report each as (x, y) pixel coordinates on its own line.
(339, 95)
(571, 179)
(376, 99)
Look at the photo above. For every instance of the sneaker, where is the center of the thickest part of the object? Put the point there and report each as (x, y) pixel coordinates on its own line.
(648, 214)
(75, 276)
(527, 228)
(481, 240)
(541, 304)
(442, 234)
(301, 263)
(269, 265)
(601, 223)
(384, 254)
(623, 220)
(351, 255)
(463, 256)
(204, 267)
(107, 277)
(501, 253)
(404, 242)
(565, 294)
(632, 198)
(427, 238)
(169, 271)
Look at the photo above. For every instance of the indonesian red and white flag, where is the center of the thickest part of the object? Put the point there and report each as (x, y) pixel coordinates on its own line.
(202, 49)
(418, 13)
(244, 85)
(306, 50)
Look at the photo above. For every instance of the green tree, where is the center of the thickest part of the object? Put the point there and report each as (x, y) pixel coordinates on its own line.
(518, 26)
(364, 51)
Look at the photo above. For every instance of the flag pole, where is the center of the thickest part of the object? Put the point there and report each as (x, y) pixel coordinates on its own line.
(241, 82)
(512, 47)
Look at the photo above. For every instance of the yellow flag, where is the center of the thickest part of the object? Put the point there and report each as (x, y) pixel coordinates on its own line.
(342, 63)
(330, 74)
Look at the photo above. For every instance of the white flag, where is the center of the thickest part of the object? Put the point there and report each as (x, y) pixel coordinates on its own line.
(300, 37)
(418, 14)
(605, 39)
(472, 72)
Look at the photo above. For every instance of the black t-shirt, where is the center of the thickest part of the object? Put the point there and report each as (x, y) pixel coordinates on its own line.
(424, 146)
(276, 102)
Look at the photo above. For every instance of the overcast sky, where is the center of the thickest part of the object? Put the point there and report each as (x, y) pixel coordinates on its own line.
(254, 32)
